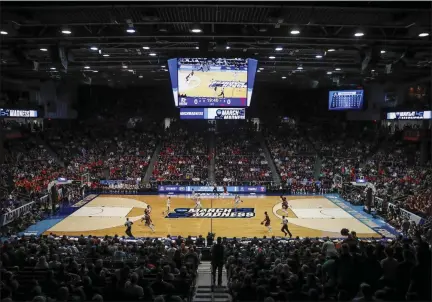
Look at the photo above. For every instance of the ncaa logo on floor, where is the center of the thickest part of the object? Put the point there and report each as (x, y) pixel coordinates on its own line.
(212, 213)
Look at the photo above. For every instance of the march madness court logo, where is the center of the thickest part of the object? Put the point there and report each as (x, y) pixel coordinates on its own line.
(212, 213)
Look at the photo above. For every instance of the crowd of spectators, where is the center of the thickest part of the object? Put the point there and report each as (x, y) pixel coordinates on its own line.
(53, 268)
(183, 158)
(326, 270)
(239, 157)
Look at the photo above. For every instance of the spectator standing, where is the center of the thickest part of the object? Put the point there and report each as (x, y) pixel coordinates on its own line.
(217, 261)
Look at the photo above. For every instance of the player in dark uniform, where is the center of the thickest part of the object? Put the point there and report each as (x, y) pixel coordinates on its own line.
(266, 222)
(148, 222)
(222, 94)
(215, 191)
(225, 190)
(284, 203)
(189, 76)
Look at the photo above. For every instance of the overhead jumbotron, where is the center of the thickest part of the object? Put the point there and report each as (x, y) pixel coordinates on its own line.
(218, 82)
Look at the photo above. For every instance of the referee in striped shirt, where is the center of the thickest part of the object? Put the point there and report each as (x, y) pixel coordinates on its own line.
(284, 228)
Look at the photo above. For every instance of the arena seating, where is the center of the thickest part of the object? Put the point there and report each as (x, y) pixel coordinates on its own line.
(239, 158)
(95, 269)
(183, 158)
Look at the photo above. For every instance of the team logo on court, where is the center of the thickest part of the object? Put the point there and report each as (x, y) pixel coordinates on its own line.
(212, 213)
(183, 102)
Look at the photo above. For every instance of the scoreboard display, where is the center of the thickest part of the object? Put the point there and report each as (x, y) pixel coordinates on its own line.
(212, 113)
(346, 100)
(212, 82)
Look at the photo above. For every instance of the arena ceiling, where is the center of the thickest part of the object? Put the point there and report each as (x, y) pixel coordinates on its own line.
(293, 42)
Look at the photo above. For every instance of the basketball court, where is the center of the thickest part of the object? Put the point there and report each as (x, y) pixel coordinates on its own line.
(313, 216)
(200, 83)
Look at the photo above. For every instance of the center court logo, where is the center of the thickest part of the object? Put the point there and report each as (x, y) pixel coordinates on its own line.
(212, 213)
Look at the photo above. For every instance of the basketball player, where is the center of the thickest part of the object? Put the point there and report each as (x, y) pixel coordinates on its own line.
(284, 203)
(198, 203)
(284, 228)
(128, 224)
(266, 222)
(168, 204)
(215, 191)
(225, 190)
(148, 222)
(147, 211)
(222, 94)
(237, 201)
(189, 76)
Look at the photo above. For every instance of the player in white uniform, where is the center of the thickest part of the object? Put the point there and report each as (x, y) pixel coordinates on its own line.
(168, 204)
(198, 203)
(237, 201)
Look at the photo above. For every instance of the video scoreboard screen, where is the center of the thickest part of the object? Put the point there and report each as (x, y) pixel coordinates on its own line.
(212, 113)
(212, 82)
(17, 113)
(346, 100)
(410, 115)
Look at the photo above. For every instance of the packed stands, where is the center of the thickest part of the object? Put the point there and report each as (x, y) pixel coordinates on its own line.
(239, 158)
(326, 270)
(183, 158)
(91, 268)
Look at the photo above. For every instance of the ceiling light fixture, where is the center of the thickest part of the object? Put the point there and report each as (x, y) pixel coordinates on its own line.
(163, 66)
(278, 48)
(152, 54)
(383, 51)
(331, 49)
(140, 76)
(373, 70)
(146, 47)
(95, 71)
(196, 29)
(295, 32)
(43, 49)
(300, 68)
(359, 34)
(130, 70)
(130, 30)
(338, 69)
(106, 55)
(329, 72)
(66, 31)
(3, 32)
(283, 78)
(425, 34)
(87, 67)
(261, 68)
(124, 66)
(196, 47)
(94, 48)
(272, 57)
(227, 47)
(318, 56)
(53, 68)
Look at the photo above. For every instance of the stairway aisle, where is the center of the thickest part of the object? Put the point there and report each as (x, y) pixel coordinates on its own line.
(40, 140)
(204, 292)
(267, 154)
(152, 163)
